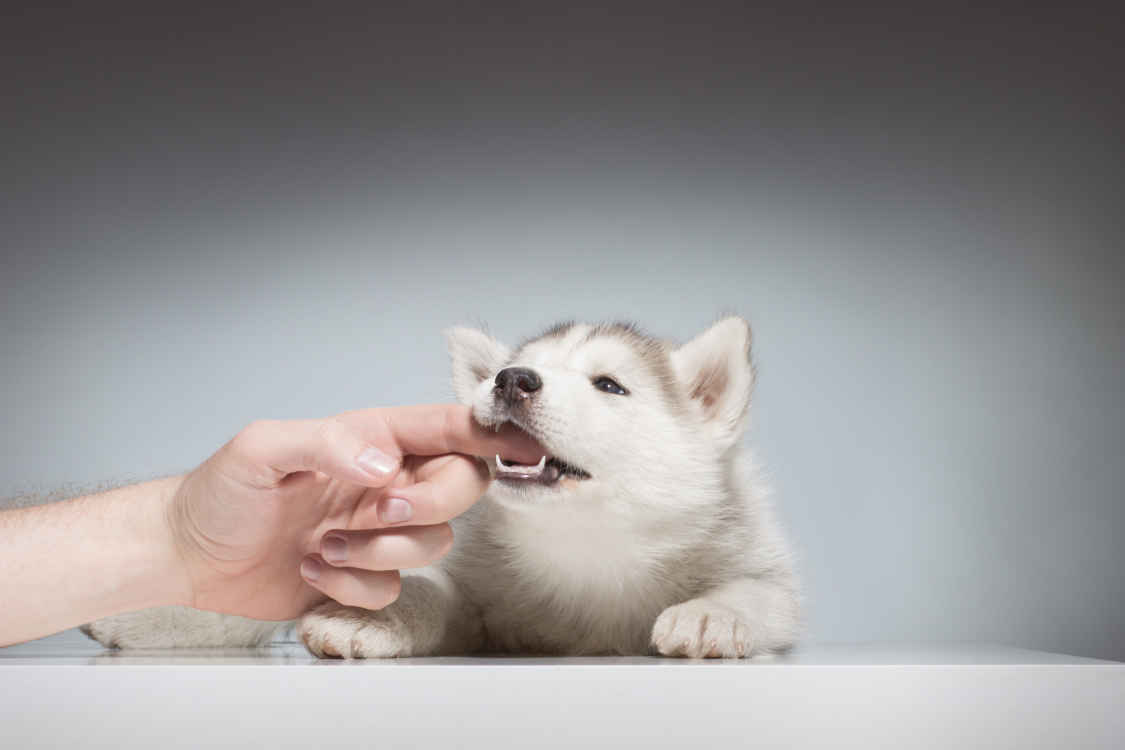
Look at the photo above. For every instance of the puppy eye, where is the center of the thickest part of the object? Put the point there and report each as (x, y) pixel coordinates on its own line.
(609, 385)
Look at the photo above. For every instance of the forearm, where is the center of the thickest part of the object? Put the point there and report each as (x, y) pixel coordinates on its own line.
(72, 562)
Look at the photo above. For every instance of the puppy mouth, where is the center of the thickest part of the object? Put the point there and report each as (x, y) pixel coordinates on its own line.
(548, 472)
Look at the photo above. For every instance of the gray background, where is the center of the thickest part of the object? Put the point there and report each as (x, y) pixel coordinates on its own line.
(213, 214)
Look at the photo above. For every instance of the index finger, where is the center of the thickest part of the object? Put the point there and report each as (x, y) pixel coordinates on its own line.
(437, 429)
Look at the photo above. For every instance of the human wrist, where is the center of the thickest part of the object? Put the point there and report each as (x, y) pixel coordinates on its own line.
(129, 547)
(163, 578)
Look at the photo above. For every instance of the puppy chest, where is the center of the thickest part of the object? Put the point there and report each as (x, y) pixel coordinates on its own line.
(568, 593)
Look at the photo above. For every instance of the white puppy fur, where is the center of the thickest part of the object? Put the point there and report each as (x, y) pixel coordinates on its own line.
(649, 531)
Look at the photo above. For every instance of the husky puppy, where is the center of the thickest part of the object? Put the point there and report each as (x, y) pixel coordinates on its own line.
(647, 529)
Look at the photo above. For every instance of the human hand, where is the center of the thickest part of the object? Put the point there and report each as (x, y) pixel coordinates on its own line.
(288, 514)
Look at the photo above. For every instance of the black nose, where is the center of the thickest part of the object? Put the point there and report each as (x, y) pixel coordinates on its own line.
(517, 382)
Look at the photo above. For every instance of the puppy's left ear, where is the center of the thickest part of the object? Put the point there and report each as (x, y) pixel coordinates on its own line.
(473, 356)
(715, 372)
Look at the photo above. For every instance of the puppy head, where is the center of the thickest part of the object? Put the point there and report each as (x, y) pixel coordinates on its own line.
(620, 412)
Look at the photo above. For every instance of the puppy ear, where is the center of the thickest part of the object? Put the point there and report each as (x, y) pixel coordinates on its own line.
(474, 355)
(715, 372)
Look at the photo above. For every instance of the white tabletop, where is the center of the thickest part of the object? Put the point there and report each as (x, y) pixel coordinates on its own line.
(57, 693)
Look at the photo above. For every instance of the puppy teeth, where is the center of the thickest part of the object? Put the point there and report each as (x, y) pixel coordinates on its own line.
(520, 471)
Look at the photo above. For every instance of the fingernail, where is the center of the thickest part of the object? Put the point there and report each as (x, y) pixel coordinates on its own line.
(310, 569)
(334, 549)
(396, 510)
(376, 463)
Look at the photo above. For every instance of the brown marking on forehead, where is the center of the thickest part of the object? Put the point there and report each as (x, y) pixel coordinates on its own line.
(653, 351)
(624, 330)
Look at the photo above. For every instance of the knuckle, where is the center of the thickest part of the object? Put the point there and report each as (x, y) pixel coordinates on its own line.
(252, 438)
(439, 502)
(373, 590)
(388, 593)
(342, 588)
(254, 431)
(449, 432)
(443, 540)
(327, 431)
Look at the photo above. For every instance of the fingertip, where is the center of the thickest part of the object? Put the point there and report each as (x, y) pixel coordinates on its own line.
(395, 510)
(311, 567)
(334, 549)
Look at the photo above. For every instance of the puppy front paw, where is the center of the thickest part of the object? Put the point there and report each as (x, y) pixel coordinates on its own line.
(352, 633)
(701, 629)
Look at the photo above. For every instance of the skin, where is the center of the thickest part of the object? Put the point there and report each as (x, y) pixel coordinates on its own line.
(281, 518)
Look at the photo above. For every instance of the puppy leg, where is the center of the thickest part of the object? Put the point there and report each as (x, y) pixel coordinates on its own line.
(180, 627)
(742, 618)
(429, 617)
